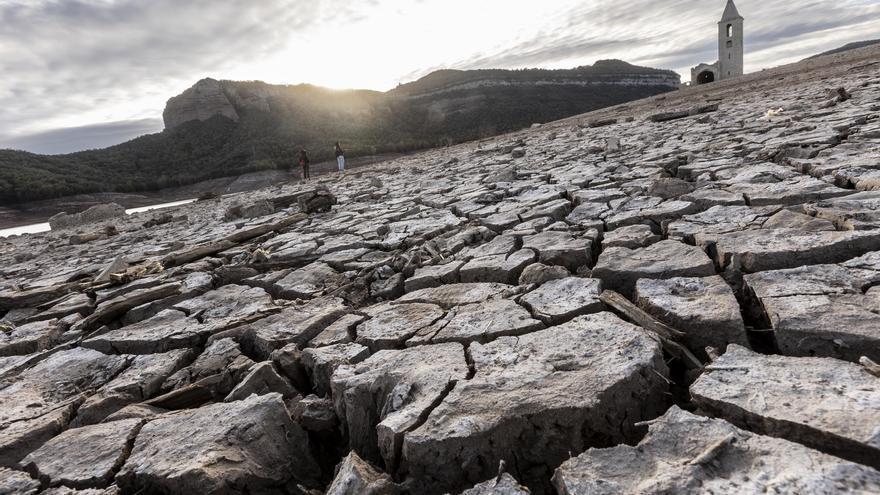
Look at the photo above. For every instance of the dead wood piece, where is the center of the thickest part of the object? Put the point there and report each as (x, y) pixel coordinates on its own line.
(601, 123)
(287, 222)
(637, 315)
(668, 116)
(659, 331)
(712, 451)
(191, 396)
(109, 312)
(872, 367)
(196, 253)
(11, 299)
(248, 234)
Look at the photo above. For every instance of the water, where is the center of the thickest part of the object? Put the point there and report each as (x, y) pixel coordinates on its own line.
(44, 227)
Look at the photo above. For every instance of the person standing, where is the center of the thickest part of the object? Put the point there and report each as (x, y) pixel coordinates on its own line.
(304, 164)
(340, 158)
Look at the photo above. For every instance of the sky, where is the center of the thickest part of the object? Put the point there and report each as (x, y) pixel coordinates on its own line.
(79, 74)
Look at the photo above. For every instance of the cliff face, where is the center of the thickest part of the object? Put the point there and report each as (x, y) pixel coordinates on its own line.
(603, 73)
(438, 90)
(200, 102)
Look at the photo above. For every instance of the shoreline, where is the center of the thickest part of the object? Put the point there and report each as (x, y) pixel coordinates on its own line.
(38, 212)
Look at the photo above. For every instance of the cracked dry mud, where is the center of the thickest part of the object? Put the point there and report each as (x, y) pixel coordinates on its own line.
(692, 311)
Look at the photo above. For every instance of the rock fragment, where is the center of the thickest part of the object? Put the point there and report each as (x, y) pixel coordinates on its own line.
(560, 248)
(821, 310)
(503, 484)
(303, 283)
(449, 296)
(434, 276)
(504, 269)
(620, 268)
(687, 454)
(354, 476)
(597, 376)
(558, 301)
(478, 323)
(17, 482)
(222, 357)
(61, 379)
(142, 380)
(798, 399)
(705, 309)
(315, 414)
(248, 446)
(294, 325)
(86, 457)
(631, 237)
(30, 338)
(322, 362)
(390, 325)
(339, 332)
(754, 251)
(539, 273)
(382, 398)
(262, 379)
(168, 330)
(227, 303)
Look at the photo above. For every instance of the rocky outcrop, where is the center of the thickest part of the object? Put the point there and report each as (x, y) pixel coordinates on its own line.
(204, 100)
(94, 214)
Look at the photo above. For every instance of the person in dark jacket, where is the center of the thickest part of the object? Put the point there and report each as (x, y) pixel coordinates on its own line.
(304, 163)
(340, 158)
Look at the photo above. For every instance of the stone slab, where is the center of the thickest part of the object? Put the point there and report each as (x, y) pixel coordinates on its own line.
(536, 398)
(690, 455)
(826, 404)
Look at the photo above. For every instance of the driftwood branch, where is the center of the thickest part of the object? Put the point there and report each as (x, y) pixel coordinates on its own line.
(872, 367)
(712, 451)
(638, 316)
(661, 332)
(108, 312)
(196, 253)
(229, 242)
(191, 396)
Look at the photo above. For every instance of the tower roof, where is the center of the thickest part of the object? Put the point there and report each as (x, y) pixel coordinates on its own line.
(730, 12)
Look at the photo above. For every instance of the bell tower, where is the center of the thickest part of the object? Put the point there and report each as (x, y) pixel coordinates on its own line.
(730, 43)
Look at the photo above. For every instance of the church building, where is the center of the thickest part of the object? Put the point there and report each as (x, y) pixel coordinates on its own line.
(730, 50)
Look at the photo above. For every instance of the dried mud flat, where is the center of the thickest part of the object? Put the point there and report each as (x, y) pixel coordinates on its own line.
(677, 295)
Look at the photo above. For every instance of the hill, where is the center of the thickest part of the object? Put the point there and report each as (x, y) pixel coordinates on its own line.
(846, 48)
(226, 128)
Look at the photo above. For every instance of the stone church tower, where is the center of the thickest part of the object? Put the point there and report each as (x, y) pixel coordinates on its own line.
(730, 50)
(730, 42)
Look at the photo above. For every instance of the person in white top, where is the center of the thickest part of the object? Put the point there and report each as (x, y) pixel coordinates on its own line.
(340, 158)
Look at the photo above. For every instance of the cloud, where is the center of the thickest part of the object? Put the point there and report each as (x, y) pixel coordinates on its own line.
(70, 64)
(69, 61)
(680, 34)
(60, 141)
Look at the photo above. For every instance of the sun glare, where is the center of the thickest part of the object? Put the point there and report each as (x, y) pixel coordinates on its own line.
(396, 43)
